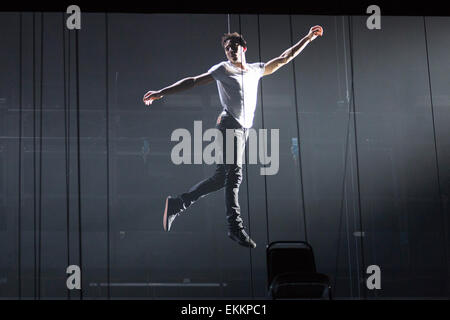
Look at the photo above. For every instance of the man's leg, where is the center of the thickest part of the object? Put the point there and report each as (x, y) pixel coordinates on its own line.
(233, 210)
(228, 175)
(204, 187)
(175, 206)
(217, 181)
(233, 179)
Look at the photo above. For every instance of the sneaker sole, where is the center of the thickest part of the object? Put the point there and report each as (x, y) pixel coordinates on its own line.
(165, 215)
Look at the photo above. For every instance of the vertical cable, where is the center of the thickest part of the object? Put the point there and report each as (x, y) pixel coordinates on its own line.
(218, 254)
(77, 75)
(436, 150)
(263, 125)
(40, 151)
(352, 178)
(356, 155)
(345, 166)
(34, 155)
(19, 215)
(246, 173)
(298, 133)
(346, 157)
(108, 208)
(66, 142)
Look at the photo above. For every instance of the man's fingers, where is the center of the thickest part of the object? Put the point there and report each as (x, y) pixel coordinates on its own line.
(317, 30)
(148, 94)
(149, 100)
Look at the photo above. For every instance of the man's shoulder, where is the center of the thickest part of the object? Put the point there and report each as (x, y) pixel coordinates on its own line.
(257, 65)
(217, 66)
(219, 71)
(258, 68)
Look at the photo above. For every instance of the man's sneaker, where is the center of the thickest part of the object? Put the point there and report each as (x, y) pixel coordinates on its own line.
(174, 206)
(241, 237)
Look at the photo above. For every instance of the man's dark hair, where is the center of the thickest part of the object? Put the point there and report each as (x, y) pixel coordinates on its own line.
(234, 37)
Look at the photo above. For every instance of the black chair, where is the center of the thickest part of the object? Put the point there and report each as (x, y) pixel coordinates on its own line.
(292, 272)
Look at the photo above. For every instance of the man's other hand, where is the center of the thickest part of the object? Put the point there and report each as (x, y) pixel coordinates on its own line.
(150, 96)
(314, 32)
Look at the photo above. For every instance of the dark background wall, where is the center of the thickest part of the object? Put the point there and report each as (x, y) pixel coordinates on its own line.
(85, 166)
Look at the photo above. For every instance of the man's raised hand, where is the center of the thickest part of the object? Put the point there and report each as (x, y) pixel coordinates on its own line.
(314, 32)
(150, 96)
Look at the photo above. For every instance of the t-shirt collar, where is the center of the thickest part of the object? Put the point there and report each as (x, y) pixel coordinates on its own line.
(237, 68)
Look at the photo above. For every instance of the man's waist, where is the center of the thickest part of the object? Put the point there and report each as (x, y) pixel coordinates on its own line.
(229, 120)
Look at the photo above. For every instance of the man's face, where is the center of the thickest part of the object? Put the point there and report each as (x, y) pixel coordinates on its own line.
(234, 51)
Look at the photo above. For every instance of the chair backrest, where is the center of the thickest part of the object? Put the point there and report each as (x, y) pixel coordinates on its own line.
(289, 256)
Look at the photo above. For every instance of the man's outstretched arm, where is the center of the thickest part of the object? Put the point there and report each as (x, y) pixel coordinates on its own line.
(182, 85)
(274, 64)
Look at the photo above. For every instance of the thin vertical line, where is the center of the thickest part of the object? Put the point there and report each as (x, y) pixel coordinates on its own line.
(342, 200)
(357, 267)
(66, 143)
(77, 73)
(357, 158)
(107, 159)
(34, 154)
(262, 123)
(228, 19)
(345, 165)
(246, 175)
(337, 64)
(19, 222)
(298, 133)
(347, 97)
(352, 178)
(436, 151)
(40, 152)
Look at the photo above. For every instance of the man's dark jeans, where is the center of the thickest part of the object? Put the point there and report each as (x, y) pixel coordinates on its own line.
(228, 174)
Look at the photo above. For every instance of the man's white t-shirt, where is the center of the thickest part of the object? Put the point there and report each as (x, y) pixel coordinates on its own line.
(238, 89)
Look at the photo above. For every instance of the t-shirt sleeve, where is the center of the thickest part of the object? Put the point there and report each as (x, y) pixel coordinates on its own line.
(260, 67)
(217, 71)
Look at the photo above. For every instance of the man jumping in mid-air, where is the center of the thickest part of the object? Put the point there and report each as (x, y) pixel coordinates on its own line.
(237, 82)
